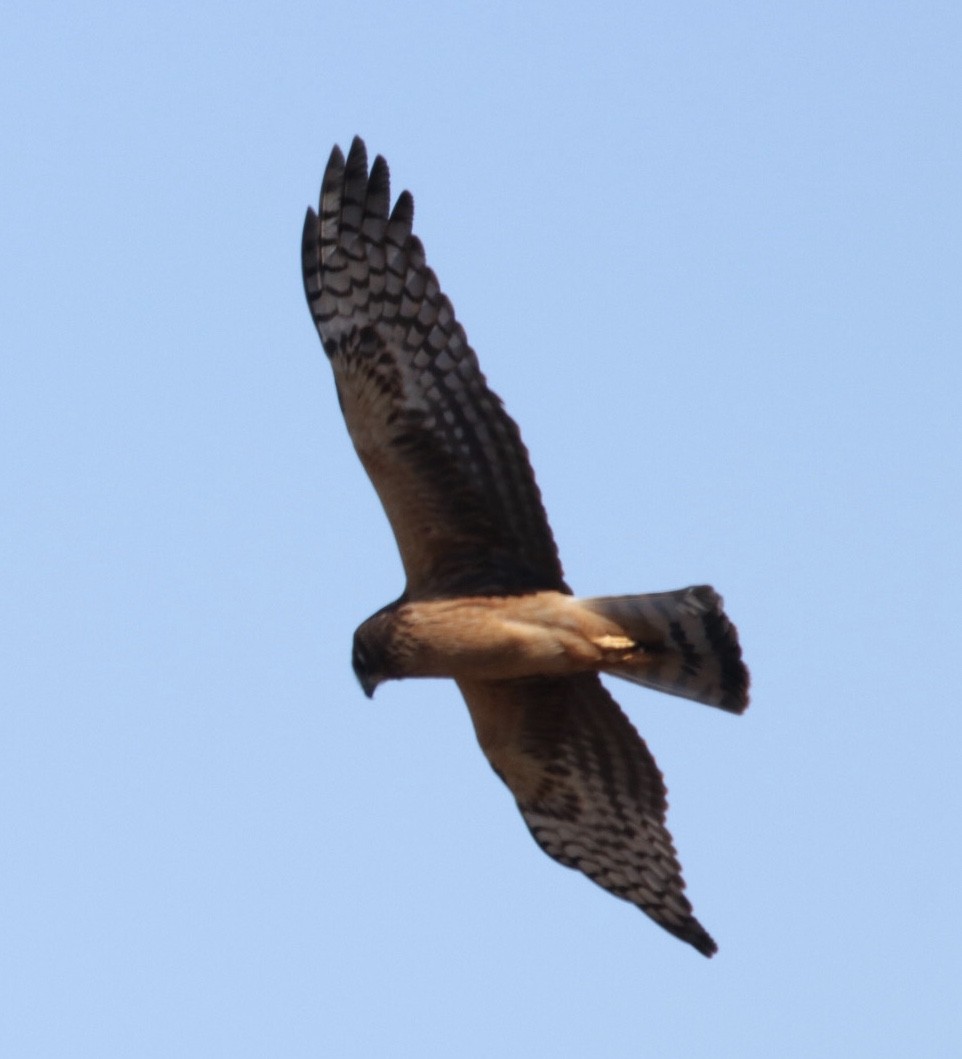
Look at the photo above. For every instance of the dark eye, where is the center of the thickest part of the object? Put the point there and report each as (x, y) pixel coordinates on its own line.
(359, 658)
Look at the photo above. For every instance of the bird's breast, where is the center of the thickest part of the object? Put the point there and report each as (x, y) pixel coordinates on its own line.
(498, 638)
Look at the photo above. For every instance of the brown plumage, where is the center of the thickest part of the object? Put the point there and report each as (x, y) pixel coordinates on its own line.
(486, 602)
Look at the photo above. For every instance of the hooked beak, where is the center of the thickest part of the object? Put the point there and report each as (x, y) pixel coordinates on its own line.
(368, 685)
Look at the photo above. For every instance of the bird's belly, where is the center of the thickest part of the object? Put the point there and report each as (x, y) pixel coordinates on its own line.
(500, 640)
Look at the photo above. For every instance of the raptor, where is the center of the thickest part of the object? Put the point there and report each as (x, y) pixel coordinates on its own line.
(485, 601)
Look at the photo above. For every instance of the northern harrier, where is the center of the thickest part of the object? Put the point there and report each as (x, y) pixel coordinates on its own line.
(486, 602)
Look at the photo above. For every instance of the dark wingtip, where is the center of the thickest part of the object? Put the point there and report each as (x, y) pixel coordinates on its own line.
(403, 212)
(688, 930)
(357, 156)
(378, 201)
(329, 202)
(703, 941)
(309, 241)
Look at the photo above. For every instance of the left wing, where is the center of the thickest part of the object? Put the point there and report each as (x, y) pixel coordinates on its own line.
(445, 458)
(588, 789)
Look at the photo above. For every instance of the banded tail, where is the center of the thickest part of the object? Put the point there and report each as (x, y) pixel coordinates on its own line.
(683, 643)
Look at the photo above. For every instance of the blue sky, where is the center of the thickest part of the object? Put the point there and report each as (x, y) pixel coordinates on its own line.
(709, 255)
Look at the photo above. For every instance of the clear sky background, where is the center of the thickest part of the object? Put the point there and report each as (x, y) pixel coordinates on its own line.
(710, 254)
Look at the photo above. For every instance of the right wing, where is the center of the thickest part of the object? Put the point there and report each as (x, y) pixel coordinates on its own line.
(588, 789)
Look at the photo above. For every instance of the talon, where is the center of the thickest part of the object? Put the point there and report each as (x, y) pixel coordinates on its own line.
(610, 642)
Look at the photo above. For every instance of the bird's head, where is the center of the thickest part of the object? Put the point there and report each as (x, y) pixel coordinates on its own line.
(371, 656)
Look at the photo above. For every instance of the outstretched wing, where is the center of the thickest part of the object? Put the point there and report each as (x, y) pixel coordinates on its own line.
(445, 458)
(588, 789)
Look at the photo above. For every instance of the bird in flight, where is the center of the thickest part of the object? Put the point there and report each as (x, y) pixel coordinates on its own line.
(486, 603)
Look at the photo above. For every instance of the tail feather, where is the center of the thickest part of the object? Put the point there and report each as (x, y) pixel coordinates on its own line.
(683, 644)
